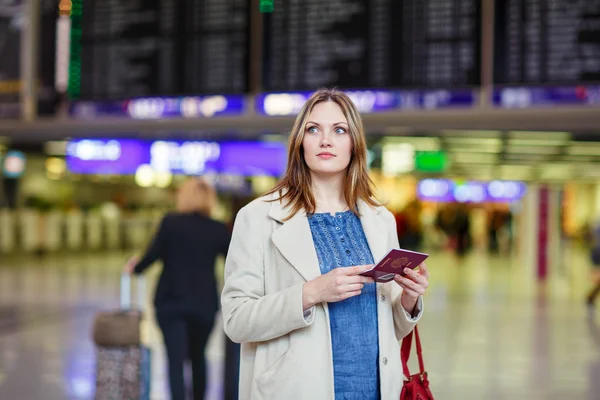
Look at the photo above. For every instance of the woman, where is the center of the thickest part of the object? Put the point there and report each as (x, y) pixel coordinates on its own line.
(186, 299)
(310, 326)
(594, 245)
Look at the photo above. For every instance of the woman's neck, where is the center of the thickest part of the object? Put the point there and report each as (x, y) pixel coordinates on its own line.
(329, 193)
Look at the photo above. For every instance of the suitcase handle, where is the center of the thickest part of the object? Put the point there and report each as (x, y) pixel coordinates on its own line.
(125, 293)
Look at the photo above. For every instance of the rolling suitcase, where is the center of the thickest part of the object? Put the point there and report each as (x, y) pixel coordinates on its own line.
(122, 360)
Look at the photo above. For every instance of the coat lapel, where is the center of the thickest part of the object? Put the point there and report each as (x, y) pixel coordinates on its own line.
(375, 230)
(294, 240)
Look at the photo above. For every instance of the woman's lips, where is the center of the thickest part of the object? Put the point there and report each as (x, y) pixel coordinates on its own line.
(325, 156)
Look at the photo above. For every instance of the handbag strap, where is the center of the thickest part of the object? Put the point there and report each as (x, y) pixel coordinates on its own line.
(405, 352)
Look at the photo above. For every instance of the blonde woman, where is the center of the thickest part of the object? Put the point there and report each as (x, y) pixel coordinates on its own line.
(310, 326)
(186, 301)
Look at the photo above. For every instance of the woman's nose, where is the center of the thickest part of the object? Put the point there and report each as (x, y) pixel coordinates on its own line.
(325, 141)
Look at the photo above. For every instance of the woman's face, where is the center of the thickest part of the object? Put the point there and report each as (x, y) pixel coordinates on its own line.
(327, 143)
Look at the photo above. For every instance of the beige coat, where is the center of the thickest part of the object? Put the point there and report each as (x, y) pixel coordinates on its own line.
(286, 353)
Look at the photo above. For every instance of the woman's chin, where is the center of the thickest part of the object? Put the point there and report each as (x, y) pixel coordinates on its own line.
(328, 172)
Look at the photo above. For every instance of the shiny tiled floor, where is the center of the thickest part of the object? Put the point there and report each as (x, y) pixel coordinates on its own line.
(490, 332)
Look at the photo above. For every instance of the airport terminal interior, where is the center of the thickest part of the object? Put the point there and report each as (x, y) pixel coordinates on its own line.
(482, 124)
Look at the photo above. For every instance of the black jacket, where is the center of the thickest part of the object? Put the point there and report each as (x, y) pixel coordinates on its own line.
(187, 244)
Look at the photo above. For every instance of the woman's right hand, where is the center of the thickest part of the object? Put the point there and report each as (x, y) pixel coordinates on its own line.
(130, 264)
(336, 285)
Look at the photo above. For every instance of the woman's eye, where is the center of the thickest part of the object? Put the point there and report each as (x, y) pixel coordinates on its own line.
(339, 131)
(312, 129)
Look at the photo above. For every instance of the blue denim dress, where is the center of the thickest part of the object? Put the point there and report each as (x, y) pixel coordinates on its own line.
(341, 242)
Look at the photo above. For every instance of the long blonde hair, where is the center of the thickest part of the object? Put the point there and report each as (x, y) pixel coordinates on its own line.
(196, 195)
(295, 190)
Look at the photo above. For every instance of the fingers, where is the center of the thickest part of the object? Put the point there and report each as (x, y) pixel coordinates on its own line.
(357, 269)
(423, 270)
(407, 282)
(353, 279)
(354, 287)
(409, 291)
(416, 277)
(347, 291)
(351, 274)
(409, 285)
(347, 295)
(360, 279)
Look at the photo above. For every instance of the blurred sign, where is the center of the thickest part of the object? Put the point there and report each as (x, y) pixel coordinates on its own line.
(125, 156)
(523, 97)
(546, 42)
(12, 24)
(370, 101)
(446, 190)
(397, 158)
(160, 48)
(431, 161)
(266, 6)
(161, 107)
(14, 164)
(372, 44)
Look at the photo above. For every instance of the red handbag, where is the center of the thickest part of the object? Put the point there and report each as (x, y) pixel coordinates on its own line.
(417, 386)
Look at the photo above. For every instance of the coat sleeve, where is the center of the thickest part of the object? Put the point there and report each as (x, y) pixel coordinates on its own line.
(403, 321)
(250, 315)
(156, 249)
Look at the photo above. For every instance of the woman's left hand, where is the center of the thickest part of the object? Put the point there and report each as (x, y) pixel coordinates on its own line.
(413, 285)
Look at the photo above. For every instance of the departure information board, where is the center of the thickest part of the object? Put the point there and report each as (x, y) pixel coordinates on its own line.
(547, 41)
(12, 24)
(372, 44)
(163, 48)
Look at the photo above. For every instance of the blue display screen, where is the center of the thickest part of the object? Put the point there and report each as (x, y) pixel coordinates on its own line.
(161, 107)
(370, 101)
(447, 190)
(125, 156)
(526, 97)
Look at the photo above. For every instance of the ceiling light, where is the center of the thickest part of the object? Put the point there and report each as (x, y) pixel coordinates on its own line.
(532, 150)
(473, 158)
(473, 141)
(418, 142)
(471, 133)
(536, 142)
(539, 135)
(585, 149)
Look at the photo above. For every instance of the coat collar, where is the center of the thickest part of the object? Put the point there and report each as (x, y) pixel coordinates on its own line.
(294, 238)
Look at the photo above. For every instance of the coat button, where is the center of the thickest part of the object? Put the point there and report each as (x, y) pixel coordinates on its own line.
(382, 298)
(384, 360)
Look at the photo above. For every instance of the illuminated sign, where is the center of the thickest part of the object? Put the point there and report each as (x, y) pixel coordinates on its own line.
(161, 107)
(14, 164)
(99, 150)
(370, 101)
(191, 157)
(271, 104)
(397, 158)
(431, 161)
(446, 190)
(525, 97)
(266, 6)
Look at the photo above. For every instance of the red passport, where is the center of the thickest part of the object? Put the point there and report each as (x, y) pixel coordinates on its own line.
(394, 263)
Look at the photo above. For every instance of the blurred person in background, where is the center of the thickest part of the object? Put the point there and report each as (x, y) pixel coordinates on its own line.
(461, 226)
(497, 223)
(188, 242)
(310, 326)
(412, 237)
(593, 240)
